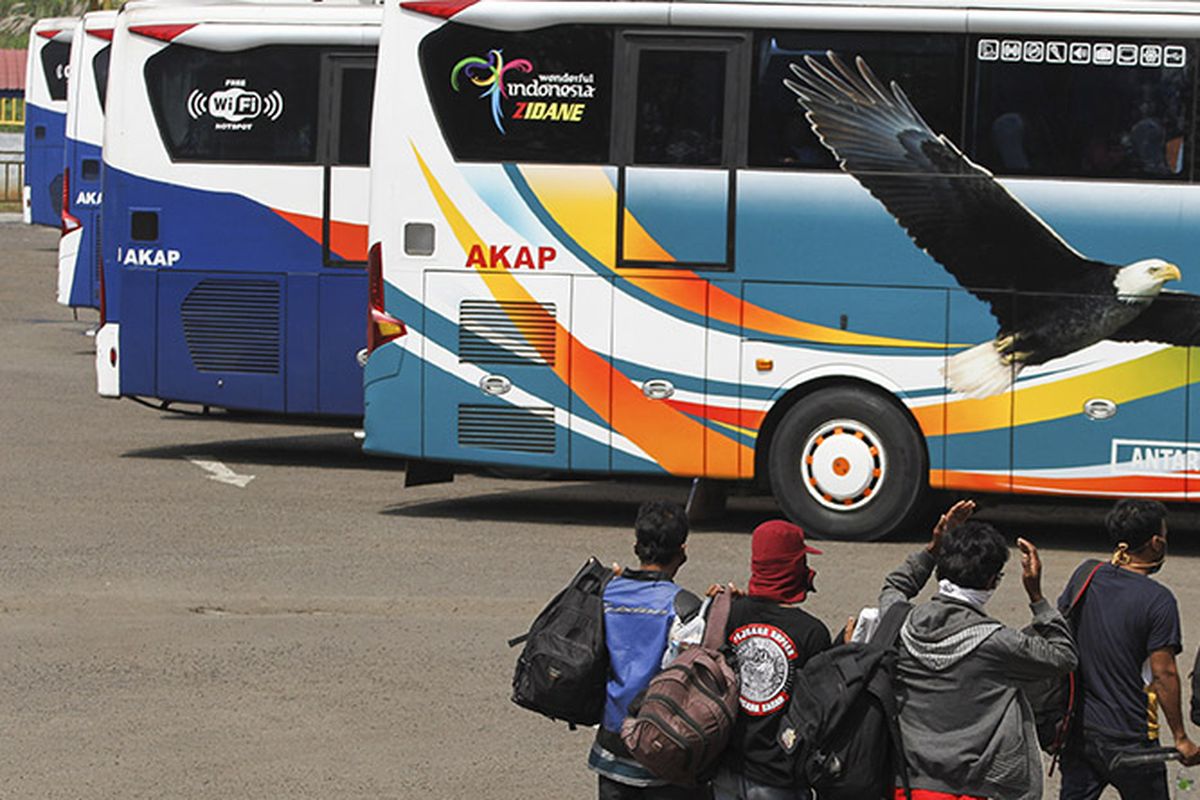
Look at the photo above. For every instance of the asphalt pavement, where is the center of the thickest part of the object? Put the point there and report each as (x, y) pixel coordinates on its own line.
(307, 627)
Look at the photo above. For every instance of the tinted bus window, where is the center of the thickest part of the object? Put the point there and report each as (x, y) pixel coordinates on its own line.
(1114, 109)
(255, 105)
(928, 67)
(100, 72)
(680, 107)
(540, 95)
(55, 56)
(354, 116)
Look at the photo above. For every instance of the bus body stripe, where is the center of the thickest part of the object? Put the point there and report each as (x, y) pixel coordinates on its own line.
(653, 426)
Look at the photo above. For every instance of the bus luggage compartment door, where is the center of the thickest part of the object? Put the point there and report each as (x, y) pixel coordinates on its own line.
(220, 339)
(1108, 420)
(494, 351)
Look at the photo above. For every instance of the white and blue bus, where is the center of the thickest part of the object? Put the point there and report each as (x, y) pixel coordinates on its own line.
(79, 245)
(46, 69)
(847, 250)
(235, 200)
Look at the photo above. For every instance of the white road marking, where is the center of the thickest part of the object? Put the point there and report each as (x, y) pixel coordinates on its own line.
(219, 472)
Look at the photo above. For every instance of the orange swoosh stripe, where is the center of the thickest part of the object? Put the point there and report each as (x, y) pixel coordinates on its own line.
(347, 240)
(653, 426)
(1104, 485)
(571, 198)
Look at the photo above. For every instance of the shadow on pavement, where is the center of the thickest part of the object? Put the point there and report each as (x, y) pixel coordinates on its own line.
(1075, 525)
(337, 450)
(599, 503)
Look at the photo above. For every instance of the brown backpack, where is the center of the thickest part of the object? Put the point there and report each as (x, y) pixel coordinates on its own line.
(680, 726)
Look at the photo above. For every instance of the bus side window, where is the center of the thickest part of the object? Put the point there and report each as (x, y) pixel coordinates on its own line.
(1083, 109)
(928, 66)
(680, 108)
(555, 99)
(354, 117)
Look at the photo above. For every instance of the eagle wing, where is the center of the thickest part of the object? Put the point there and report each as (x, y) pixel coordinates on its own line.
(1173, 318)
(951, 207)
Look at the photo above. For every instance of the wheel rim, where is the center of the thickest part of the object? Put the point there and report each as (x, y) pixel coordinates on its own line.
(843, 464)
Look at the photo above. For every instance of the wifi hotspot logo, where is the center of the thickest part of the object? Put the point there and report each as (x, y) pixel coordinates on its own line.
(489, 74)
(235, 104)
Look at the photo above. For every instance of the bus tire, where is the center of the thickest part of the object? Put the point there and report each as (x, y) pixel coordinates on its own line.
(847, 463)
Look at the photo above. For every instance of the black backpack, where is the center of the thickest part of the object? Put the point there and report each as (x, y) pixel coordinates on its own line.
(563, 668)
(1055, 700)
(842, 724)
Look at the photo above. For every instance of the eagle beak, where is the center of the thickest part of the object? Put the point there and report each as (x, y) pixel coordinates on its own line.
(1170, 272)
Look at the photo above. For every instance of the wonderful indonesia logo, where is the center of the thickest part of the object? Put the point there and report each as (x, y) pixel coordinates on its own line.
(543, 98)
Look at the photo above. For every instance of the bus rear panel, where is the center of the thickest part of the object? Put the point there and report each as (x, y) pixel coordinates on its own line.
(79, 247)
(46, 73)
(236, 207)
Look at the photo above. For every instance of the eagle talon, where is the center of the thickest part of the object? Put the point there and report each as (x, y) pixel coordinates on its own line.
(1018, 357)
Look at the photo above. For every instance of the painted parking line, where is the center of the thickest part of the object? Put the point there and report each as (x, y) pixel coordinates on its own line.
(219, 472)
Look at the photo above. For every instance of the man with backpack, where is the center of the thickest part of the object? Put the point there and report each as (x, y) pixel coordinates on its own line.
(772, 638)
(1128, 632)
(640, 607)
(966, 727)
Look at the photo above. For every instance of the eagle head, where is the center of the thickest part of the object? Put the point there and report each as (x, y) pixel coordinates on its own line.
(1142, 280)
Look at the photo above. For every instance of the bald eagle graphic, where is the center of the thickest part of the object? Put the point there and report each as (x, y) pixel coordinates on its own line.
(993, 245)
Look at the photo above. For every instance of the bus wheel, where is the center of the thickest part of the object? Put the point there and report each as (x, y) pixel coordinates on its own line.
(846, 463)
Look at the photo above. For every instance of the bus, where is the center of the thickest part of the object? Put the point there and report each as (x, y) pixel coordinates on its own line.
(235, 205)
(46, 70)
(749, 242)
(79, 245)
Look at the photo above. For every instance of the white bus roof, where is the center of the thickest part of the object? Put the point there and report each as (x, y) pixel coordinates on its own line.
(64, 27)
(1151, 18)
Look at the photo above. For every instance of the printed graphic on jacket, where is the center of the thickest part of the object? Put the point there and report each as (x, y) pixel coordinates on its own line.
(766, 656)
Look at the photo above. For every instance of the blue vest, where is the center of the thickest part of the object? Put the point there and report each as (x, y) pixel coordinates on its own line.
(637, 619)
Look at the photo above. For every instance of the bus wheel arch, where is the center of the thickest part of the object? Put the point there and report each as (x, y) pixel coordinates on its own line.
(844, 458)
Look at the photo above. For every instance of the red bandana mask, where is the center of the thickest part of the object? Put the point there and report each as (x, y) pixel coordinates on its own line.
(779, 562)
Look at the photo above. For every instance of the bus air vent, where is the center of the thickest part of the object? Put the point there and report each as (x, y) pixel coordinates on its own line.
(521, 430)
(506, 332)
(232, 325)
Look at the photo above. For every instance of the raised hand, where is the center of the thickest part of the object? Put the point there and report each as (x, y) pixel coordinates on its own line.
(1031, 569)
(956, 515)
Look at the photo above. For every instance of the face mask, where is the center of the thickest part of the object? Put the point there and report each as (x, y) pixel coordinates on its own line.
(976, 597)
(1122, 558)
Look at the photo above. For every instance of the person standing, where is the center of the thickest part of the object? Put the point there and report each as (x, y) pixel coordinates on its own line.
(1128, 633)
(773, 638)
(968, 729)
(640, 608)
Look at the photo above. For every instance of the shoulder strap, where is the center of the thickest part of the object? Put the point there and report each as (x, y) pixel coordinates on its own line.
(1083, 589)
(888, 632)
(718, 620)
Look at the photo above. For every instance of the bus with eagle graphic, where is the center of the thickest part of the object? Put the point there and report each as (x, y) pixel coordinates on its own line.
(846, 251)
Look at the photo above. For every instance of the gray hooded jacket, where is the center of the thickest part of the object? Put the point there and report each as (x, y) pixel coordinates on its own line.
(967, 726)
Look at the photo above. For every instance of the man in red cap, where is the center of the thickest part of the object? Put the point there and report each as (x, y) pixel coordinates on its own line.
(773, 638)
